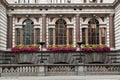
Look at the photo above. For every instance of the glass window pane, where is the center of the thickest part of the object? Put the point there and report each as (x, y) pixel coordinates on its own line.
(93, 31)
(70, 36)
(60, 32)
(17, 36)
(28, 33)
(37, 35)
(51, 36)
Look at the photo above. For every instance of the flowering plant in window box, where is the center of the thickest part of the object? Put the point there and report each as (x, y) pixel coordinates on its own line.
(25, 48)
(61, 48)
(95, 48)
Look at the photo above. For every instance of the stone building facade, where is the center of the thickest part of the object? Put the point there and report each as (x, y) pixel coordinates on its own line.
(59, 22)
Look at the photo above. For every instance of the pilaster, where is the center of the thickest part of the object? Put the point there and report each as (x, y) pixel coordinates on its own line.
(10, 32)
(77, 27)
(44, 27)
(111, 30)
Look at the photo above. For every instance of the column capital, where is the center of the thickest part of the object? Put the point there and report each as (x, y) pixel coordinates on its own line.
(51, 28)
(77, 15)
(43, 15)
(10, 14)
(111, 14)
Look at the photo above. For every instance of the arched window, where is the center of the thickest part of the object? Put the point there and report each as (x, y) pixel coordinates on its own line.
(93, 1)
(60, 1)
(18, 1)
(84, 1)
(93, 31)
(27, 1)
(60, 32)
(101, 1)
(28, 32)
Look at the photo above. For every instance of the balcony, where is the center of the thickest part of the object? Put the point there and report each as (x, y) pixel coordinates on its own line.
(60, 63)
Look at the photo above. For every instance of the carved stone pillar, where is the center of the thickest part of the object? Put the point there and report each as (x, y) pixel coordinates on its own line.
(44, 27)
(77, 28)
(10, 32)
(111, 31)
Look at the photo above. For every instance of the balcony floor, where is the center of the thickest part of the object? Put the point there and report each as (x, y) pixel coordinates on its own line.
(88, 77)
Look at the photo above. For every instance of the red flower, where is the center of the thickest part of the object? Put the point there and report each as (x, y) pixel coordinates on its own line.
(25, 48)
(87, 49)
(61, 48)
(97, 48)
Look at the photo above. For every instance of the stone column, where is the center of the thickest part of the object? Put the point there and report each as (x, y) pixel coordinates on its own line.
(77, 28)
(111, 31)
(44, 27)
(10, 31)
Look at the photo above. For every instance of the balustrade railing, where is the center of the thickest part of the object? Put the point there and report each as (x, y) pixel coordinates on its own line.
(103, 68)
(19, 70)
(76, 63)
(58, 69)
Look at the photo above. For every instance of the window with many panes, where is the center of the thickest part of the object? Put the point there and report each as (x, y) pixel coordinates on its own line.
(70, 36)
(37, 33)
(60, 1)
(60, 35)
(94, 34)
(27, 1)
(83, 35)
(101, 1)
(60, 32)
(103, 35)
(17, 32)
(27, 35)
(28, 32)
(93, 1)
(93, 31)
(50, 36)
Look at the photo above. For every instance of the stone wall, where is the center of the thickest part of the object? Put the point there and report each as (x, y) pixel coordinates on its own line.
(3, 27)
(117, 26)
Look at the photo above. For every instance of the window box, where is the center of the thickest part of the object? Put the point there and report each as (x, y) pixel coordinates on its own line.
(26, 48)
(61, 48)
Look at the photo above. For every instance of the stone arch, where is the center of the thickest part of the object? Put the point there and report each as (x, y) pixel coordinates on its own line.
(55, 19)
(23, 19)
(88, 19)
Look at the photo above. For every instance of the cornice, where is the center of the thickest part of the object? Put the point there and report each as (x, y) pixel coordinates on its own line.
(68, 5)
(80, 6)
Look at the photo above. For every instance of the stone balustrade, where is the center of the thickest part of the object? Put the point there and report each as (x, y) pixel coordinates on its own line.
(58, 63)
(58, 69)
